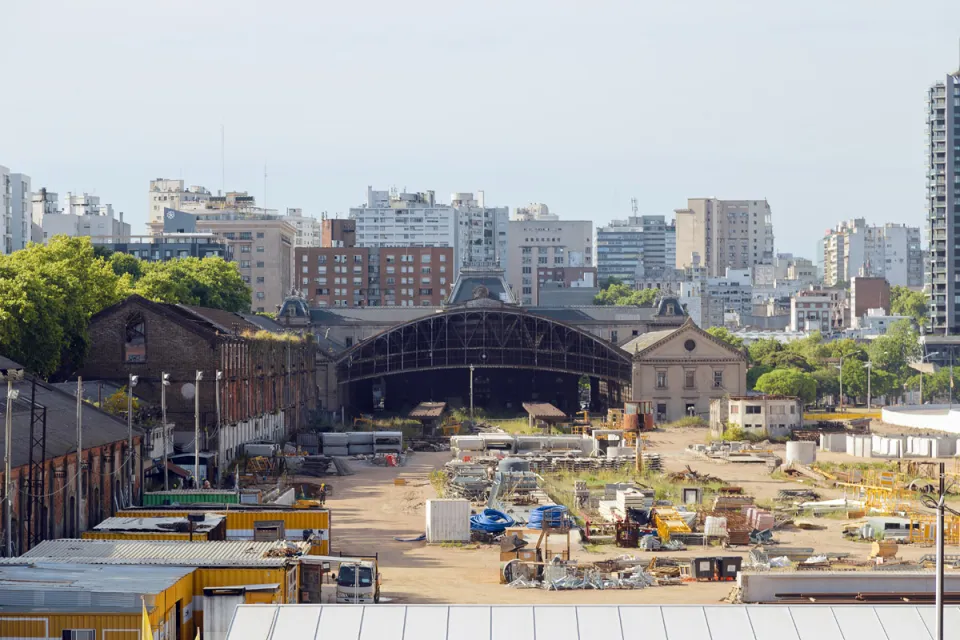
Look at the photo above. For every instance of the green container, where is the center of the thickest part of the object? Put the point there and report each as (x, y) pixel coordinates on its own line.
(161, 498)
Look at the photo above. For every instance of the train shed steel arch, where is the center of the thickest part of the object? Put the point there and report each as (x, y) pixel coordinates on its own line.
(483, 337)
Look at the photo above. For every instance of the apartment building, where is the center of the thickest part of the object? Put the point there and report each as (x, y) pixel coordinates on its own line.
(163, 247)
(532, 212)
(728, 298)
(6, 211)
(309, 232)
(261, 245)
(171, 194)
(818, 310)
(476, 233)
(867, 294)
(541, 251)
(83, 215)
(733, 234)
(374, 277)
(20, 230)
(891, 251)
(337, 232)
(640, 246)
(943, 201)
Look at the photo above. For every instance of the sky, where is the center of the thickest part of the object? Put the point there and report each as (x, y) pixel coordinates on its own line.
(817, 106)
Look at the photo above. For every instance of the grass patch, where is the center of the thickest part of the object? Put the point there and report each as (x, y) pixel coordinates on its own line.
(689, 421)
(850, 466)
(438, 479)
(459, 545)
(596, 548)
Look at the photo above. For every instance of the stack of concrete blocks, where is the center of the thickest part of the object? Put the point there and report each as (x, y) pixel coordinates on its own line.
(835, 442)
(888, 446)
(859, 446)
(931, 446)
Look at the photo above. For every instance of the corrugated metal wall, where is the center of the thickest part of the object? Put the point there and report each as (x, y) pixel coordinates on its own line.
(98, 535)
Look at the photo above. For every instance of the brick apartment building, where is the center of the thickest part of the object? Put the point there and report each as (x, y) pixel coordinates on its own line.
(338, 232)
(374, 277)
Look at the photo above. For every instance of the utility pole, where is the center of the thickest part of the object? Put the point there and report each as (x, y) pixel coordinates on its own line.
(164, 383)
(869, 367)
(79, 457)
(10, 375)
(132, 382)
(841, 383)
(196, 429)
(940, 558)
(217, 380)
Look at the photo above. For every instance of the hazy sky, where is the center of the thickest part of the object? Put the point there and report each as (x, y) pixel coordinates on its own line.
(816, 105)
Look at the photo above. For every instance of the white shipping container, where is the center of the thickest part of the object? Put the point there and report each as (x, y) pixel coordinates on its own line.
(448, 521)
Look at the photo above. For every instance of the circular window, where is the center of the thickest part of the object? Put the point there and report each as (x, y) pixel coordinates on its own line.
(689, 345)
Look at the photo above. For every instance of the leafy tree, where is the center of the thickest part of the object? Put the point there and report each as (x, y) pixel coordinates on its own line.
(788, 360)
(854, 377)
(907, 302)
(811, 349)
(621, 295)
(722, 333)
(760, 350)
(210, 282)
(116, 403)
(895, 350)
(828, 381)
(788, 382)
(754, 373)
(124, 263)
(846, 348)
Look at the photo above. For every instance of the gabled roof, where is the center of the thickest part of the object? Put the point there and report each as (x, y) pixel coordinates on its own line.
(647, 342)
(99, 427)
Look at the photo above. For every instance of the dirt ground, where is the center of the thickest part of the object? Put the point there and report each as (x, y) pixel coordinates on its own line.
(369, 510)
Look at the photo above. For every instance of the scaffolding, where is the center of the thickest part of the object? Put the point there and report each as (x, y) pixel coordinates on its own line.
(923, 529)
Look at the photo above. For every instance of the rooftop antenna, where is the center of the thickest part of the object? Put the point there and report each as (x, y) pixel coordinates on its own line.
(633, 206)
(223, 169)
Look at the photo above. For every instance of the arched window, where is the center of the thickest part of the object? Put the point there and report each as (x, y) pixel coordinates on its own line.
(135, 339)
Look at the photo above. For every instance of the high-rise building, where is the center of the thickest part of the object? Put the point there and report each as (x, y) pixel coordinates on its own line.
(337, 232)
(261, 245)
(855, 248)
(308, 228)
(20, 210)
(6, 211)
(171, 194)
(374, 277)
(476, 233)
(83, 215)
(726, 234)
(636, 248)
(943, 198)
(556, 251)
(534, 211)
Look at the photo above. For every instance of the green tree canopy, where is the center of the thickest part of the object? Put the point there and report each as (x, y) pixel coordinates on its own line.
(895, 350)
(754, 373)
(788, 382)
(622, 295)
(828, 381)
(907, 302)
(760, 350)
(722, 333)
(210, 282)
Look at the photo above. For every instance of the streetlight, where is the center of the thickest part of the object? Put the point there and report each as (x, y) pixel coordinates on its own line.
(130, 385)
(218, 378)
(929, 355)
(196, 429)
(869, 367)
(9, 375)
(164, 383)
(840, 367)
(471, 393)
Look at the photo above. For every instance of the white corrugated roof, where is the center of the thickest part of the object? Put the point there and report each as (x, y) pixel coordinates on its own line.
(557, 622)
(225, 553)
(167, 524)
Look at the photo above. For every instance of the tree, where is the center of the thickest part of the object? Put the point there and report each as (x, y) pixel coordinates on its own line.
(828, 381)
(896, 349)
(811, 349)
(788, 382)
(210, 282)
(854, 378)
(788, 360)
(621, 295)
(116, 403)
(907, 302)
(754, 373)
(722, 333)
(760, 350)
(124, 263)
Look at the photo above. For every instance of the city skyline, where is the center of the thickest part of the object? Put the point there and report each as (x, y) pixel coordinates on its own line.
(610, 119)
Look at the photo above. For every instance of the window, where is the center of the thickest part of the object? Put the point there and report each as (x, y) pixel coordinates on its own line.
(793, 409)
(244, 248)
(322, 259)
(260, 295)
(259, 248)
(305, 258)
(358, 259)
(259, 279)
(245, 264)
(443, 257)
(718, 379)
(752, 409)
(734, 410)
(425, 258)
(528, 270)
(259, 263)
(78, 634)
(135, 339)
(260, 235)
(689, 379)
(306, 269)
(528, 290)
(542, 260)
(661, 379)
(306, 280)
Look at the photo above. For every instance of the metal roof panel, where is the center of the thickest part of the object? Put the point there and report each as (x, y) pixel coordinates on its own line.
(426, 622)
(383, 625)
(771, 621)
(816, 623)
(601, 622)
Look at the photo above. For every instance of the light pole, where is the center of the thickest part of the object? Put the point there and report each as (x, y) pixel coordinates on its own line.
(869, 367)
(217, 380)
(840, 367)
(196, 429)
(471, 393)
(9, 375)
(164, 383)
(132, 382)
(929, 355)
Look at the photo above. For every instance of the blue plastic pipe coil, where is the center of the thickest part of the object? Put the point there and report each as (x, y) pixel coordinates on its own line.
(553, 515)
(491, 521)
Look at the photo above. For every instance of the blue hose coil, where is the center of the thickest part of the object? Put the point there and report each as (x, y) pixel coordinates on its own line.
(491, 521)
(553, 515)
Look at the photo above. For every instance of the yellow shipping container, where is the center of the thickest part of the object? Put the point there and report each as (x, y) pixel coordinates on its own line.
(135, 535)
(240, 523)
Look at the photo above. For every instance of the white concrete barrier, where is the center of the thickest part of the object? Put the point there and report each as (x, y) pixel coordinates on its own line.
(940, 417)
(763, 587)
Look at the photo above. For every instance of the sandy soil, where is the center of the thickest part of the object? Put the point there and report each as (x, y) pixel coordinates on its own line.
(369, 510)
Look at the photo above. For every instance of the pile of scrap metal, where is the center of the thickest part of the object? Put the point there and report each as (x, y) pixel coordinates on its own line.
(621, 573)
(692, 477)
(743, 452)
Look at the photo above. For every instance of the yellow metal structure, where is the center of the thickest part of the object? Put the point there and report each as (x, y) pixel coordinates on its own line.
(669, 522)
(140, 535)
(614, 418)
(923, 529)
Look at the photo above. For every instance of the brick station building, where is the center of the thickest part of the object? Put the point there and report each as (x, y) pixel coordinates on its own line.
(268, 385)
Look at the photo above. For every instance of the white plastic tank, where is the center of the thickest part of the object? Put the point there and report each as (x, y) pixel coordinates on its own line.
(802, 452)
